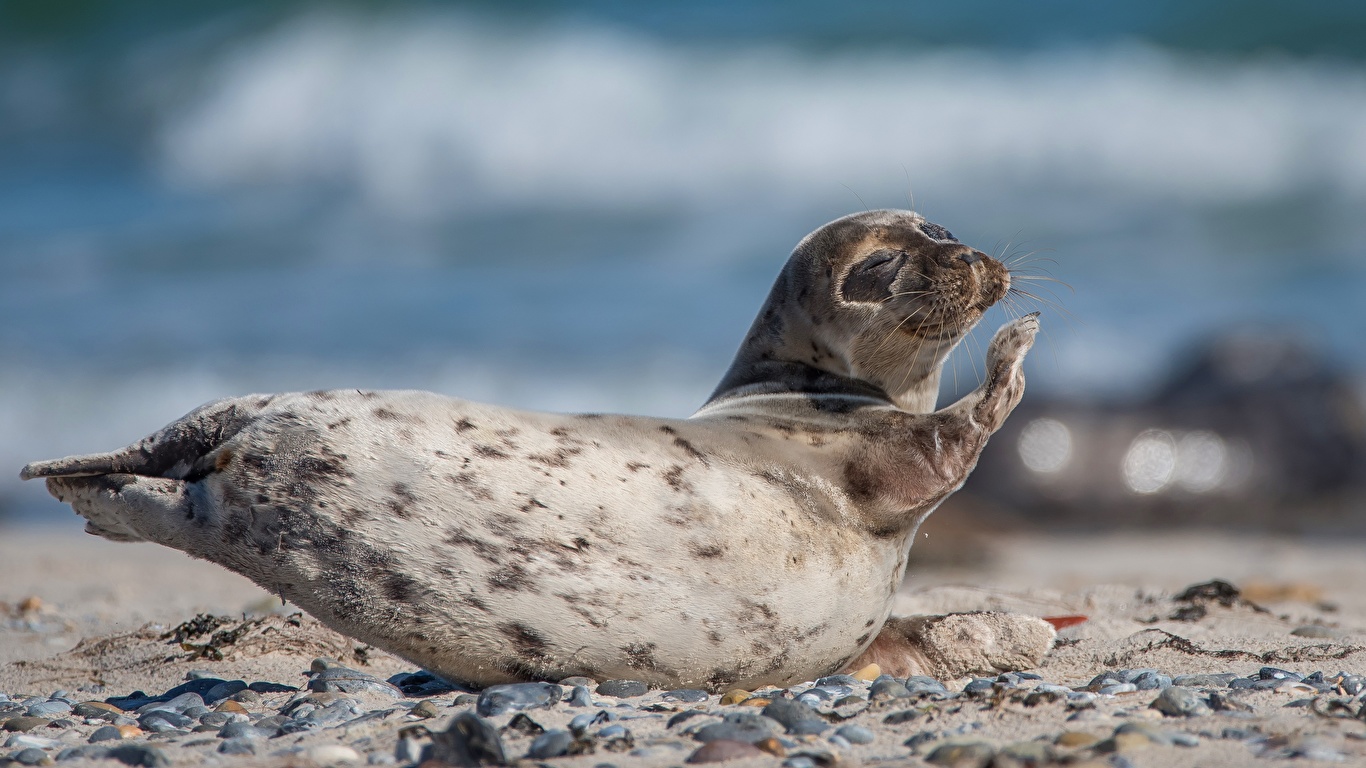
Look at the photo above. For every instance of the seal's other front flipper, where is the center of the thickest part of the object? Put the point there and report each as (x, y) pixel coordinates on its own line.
(126, 507)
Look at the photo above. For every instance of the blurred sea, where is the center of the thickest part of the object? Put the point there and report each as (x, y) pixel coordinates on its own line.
(580, 206)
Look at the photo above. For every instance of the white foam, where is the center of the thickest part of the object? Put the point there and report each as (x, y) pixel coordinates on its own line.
(433, 112)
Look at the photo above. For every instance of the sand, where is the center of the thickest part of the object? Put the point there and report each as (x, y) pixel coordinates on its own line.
(76, 610)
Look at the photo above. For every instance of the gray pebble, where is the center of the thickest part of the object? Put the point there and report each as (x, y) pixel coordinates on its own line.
(339, 679)
(688, 695)
(888, 688)
(1220, 680)
(829, 680)
(144, 755)
(833, 691)
(1116, 688)
(840, 741)
(1151, 680)
(160, 721)
(51, 709)
(551, 744)
(29, 756)
(796, 717)
(262, 686)
(979, 686)
(855, 734)
(1352, 684)
(237, 746)
(920, 685)
(1178, 701)
(580, 697)
(246, 731)
(26, 740)
(497, 699)
(1272, 673)
(470, 740)
(195, 713)
(179, 703)
(1182, 739)
(740, 726)
(799, 761)
(614, 732)
(1318, 631)
(623, 689)
(105, 733)
(223, 690)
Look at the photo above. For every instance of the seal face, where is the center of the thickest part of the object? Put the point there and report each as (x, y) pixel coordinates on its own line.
(759, 541)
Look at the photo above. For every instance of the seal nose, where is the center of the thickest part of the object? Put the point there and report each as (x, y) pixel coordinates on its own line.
(971, 257)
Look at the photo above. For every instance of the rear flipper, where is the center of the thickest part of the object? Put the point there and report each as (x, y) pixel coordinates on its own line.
(959, 644)
(126, 507)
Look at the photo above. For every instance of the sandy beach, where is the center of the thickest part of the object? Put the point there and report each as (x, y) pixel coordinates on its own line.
(95, 621)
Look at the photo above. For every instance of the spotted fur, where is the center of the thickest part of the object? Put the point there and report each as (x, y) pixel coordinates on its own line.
(759, 541)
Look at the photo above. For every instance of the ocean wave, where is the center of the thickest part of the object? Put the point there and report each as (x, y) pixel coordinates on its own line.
(435, 112)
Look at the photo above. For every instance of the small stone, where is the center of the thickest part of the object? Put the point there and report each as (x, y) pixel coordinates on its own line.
(96, 710)
(1024, 753)
(687, 695)
(771, 746)
(796, 717)
(143, 755)
(756, 701)
(49, 709)
(577, 680)
(888, 688)
(1125, 743)
(1224, 702)
(1151, 680)
(1117, 688)
(514, 697)
(262, 686)
(830, 680)
(219, 719)
(734, 696)
(965, 754)
(1077, 739)
(231, 707)
(720, 750)
(550, 744)
(246, 731)
(472, 740)
(237, 747)
(980, 686)
(1272, 673)
(330, 754)
(1220, 680)
(580, 697)
(339, 679)
(1179, 701)
(855, 734)
(128, 731)
(623, 689)
(178, 704)
(30, 756)
(748, 727)
(920, 685)
(904, 716)
(868, 673)
(425, 710)
(224, 690)
(25, 723)
(105, 733)
(158, 720)
(26, 741)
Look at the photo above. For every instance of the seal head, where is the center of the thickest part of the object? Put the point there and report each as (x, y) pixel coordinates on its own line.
(871, 303)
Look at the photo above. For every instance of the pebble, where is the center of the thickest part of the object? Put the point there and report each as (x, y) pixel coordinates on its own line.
(748, 727)
(30, 756)
(888, 688)
(1179, 701)
(1116, 688)
(231, 707)
(1272, 673)
(580, 697)
(920, 685)
(470, 740)
(979, 686)
(223, 690)
(106, 733)
(1151, 680)
(52, 709)
(965, 754)
(425, 710)
(796, 717)
(330, 754)
(237, 746)
(143, 755)
(245, 731)
(855, 734)
(734, 696)
(1077, 739)
(720, 750)
(687, 695)
(334, 678)
(513, 697)
(25, 723)
(550, 744)
(26, 741)
(570, 682)
(623, 689)
(1220, 680)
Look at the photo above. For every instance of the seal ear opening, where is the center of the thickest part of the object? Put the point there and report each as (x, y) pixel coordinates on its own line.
(871, 280)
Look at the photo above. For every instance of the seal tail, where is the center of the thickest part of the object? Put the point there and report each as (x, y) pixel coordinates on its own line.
(139, 492)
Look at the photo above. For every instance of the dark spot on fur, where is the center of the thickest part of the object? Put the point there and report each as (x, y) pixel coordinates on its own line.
(489, 452)
(527, 643)
(690, 450)
(402, 500)
(588, 415)
(708, 551)
(469, 481)
(533, 504)
(464, 425)
(400, 588)
(636, 466)
(385, 414)
(558, 460)
(474, 602)
(863, 638)
(641, 656)
(340, 422)
(321, 394)
(674, 477)
(482, 549)
(833, 404)
(512, 577)
(714, 637)
(870, 623)
(223, 459)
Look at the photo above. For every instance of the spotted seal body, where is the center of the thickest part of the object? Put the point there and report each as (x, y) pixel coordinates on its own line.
(759, 541)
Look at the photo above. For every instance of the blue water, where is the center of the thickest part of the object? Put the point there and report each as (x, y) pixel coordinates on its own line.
(580, 207)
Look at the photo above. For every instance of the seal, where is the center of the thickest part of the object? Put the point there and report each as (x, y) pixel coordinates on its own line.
(759, 541)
